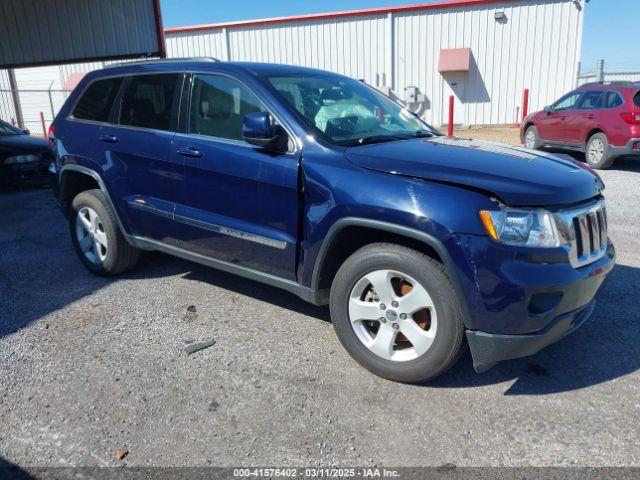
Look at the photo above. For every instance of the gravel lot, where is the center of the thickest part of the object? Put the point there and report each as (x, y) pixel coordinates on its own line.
(89, 366)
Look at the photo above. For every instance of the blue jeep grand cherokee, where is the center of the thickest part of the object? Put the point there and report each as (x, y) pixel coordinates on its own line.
(320, 185)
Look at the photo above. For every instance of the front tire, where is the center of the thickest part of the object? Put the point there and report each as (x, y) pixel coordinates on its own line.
(96, 237)
(395, 311)
(532, 139)
(598, 152)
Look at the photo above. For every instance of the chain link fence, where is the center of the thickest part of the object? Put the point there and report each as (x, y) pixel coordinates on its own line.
(39, 108)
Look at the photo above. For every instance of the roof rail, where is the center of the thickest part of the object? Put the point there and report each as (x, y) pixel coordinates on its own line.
(615, 83)
(162, 60)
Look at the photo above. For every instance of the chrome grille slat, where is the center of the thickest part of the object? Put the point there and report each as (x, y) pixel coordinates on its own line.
(598, 219)
(593, 233)
(584, 232)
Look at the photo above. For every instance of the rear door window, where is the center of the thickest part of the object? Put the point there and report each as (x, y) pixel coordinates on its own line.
(636, 99)
(150, 101)
(97, 100)
(613, 100)
(218, 106)
(591, 100)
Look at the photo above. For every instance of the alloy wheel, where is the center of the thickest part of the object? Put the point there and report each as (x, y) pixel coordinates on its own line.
(91, 236)
(530, 139)
(393, 315)
(596, 150)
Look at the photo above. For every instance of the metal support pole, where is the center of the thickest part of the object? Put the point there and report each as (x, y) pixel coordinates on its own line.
(600, 71)
(450, 127)
(525, 104)
(227, 45)
(44, 125)
(162, 48)
(53, 110)
(13, 85)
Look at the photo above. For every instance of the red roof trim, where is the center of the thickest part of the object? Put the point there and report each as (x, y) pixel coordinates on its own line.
(346, 13)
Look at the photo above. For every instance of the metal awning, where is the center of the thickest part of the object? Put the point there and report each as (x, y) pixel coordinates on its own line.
(454, 60)
(46, 32)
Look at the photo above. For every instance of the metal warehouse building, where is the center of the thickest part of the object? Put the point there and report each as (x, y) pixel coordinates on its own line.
(483, 52)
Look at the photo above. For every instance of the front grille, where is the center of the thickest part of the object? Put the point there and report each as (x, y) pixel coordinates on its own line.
(584, 231)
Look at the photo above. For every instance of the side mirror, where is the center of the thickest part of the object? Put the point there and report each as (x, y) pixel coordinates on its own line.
(259, 129)
(548, 109)
(26, 132)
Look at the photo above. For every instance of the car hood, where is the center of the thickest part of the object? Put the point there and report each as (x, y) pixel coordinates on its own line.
(517, 176)
(17, 144)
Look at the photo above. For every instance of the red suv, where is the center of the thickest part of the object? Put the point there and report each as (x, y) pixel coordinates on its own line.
(600, 119)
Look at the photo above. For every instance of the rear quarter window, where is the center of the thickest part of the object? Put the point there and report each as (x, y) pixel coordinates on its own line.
(636, 99)
(96, 101)
(149, 101)
(614, 100)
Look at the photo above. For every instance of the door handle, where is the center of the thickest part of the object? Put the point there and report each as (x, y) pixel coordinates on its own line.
(189, 152)
(590, 116)
(108, 138)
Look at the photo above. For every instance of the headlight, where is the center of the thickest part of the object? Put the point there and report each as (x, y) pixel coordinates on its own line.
(521, 227)
(21, 159)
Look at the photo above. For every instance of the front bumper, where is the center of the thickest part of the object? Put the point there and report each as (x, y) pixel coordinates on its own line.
(26, 173)
(487, 349)
(631, 148)
(521, 300)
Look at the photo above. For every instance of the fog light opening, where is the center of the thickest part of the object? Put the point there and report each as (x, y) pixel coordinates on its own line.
(544, 303)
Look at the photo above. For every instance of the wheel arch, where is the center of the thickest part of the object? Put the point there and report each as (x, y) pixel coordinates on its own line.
(592, 132)
(75, 179)
(350, 234)
(72, 182)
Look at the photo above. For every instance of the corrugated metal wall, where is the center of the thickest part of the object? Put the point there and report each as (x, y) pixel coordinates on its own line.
(39, 32)
(358, 47)
(536, 46)
(198, 44)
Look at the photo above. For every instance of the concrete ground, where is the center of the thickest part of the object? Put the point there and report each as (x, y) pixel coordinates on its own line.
(90, 366)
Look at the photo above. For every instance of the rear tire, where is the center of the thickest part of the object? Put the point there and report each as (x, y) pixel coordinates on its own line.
(598, 152)
(388, 331)
(96, 236)
(532, 139)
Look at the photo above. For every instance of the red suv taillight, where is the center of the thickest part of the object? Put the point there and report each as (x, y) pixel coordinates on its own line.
(632, 118)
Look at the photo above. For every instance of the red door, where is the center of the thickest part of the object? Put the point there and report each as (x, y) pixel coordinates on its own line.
(552, 126)
(584, 118)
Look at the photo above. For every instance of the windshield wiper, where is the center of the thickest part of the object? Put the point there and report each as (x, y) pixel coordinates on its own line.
(422, 134)
(393, 137)
(379, 139)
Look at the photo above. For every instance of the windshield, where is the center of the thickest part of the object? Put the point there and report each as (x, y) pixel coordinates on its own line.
(347, 112)
(6, 129)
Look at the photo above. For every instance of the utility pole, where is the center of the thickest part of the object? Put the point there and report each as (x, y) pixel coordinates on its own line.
(600, 71)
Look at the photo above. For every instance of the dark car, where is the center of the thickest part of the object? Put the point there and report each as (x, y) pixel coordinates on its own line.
(600, 119)
(23, 159)
(320, 185)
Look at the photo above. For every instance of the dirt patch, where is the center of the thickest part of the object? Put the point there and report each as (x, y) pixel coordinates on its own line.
(507, 135)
